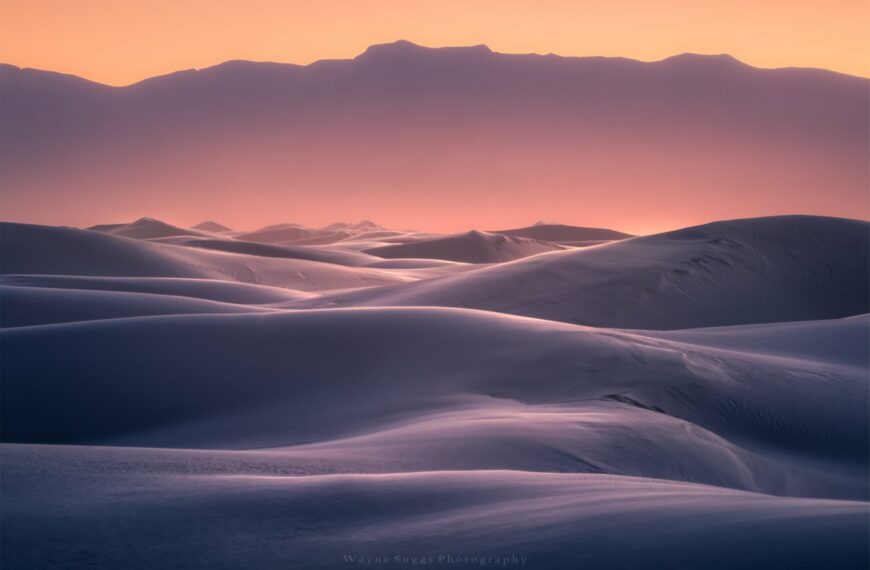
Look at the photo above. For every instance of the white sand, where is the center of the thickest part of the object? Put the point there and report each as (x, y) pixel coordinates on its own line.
(209, 417)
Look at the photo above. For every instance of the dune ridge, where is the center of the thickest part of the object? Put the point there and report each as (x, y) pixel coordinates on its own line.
(730, 272)
(209, 400)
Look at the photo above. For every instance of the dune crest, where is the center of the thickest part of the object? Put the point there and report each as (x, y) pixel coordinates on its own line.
(731, 272)
(471, 247)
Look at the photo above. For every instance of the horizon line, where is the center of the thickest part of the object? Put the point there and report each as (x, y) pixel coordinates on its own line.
(433, 48)
(444, 233)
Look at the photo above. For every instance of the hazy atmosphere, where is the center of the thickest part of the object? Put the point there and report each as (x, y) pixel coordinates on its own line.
(480, 284)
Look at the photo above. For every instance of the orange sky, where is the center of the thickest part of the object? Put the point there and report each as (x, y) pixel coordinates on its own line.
(122, 41)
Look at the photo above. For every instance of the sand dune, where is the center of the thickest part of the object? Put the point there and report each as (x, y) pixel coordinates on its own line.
(560, 233)
(471, 247)
(513, 384)
(29, 249)
(280, 233)
(148, 228)
(377, 235)
(360, 226)
(295, 234)
(26, 248)
(209, 289)
(211, 415)
(26, 306)
(181, 508)
(416, 263)
(339, 257)
(212, 227)
(406, 237)
(733, 272)
(550, 396)
(321, 237)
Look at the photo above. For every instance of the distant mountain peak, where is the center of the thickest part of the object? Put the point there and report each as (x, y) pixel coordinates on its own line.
(405, 48)
(573, 137)
(720, 59)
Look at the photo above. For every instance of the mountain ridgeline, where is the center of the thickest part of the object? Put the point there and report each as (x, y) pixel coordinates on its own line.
(403, 129)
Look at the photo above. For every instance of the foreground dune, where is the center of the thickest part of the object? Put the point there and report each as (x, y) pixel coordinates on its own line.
(532, 394)
(135, 508)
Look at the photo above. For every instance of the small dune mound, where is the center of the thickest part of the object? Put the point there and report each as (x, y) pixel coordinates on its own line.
(559, 233)
(211, 226)
(278, 233)
(471, 247)
(147, 228)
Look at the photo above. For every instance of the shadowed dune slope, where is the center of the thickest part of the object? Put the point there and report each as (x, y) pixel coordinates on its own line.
(208, 289)
(161, 501)
(450, 383)
(26, 306)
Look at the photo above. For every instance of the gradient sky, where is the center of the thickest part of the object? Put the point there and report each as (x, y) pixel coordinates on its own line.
(121, 42)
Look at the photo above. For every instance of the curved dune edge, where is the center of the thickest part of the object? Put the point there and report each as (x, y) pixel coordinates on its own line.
(514, 393)
(783, 268)
(176, 508)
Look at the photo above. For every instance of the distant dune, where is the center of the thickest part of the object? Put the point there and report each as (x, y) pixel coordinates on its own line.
(340, 257)
(213, 227)
(147, 228)
(42, 250)
(559, 233)
(281, 233)
(471, 247)
(296, 234)
(732, 272)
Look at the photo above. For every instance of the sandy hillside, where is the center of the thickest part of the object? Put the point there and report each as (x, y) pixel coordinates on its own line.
(209, 399)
